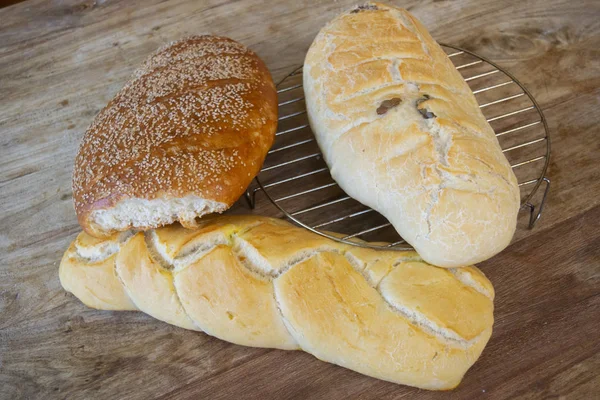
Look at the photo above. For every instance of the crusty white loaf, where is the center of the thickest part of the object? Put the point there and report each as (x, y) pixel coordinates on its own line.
(403, 134)
(259, 281)
(182, 139)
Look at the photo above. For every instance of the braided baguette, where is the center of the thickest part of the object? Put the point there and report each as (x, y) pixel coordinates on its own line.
(262, 282)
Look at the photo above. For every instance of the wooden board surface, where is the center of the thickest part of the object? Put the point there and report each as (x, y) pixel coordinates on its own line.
(62, 61)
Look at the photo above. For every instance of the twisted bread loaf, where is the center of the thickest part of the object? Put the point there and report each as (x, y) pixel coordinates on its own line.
(259, 281)
(402, 133)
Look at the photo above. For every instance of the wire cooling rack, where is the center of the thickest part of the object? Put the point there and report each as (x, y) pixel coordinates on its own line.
(297, 181)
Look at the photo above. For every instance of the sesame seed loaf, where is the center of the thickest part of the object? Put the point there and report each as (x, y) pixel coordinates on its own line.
(183, 138)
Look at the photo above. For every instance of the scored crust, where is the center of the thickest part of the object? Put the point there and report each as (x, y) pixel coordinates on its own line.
(403, 134)
(183, 138)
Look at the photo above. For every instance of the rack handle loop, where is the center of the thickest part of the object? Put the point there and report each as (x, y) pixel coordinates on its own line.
(533, 215)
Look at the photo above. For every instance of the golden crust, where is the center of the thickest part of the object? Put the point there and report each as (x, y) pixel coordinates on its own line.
(106, 293)
(259, 281)
(197, 119)
(336, 316)
(235, 305)
(402, 133)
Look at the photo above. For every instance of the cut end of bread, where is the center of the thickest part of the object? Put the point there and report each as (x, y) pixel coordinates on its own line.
(136, 213)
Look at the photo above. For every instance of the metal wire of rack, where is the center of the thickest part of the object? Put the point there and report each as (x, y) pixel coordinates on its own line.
(297, 181)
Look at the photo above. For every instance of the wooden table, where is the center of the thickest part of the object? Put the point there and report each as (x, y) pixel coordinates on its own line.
(61, 61)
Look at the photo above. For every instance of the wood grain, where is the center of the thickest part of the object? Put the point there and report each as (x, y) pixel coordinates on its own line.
(61, 61)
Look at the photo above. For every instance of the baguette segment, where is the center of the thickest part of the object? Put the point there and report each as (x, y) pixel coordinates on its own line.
(259, 281)
(403, 134)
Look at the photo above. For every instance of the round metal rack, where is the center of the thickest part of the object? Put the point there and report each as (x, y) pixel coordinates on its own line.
(297, 181)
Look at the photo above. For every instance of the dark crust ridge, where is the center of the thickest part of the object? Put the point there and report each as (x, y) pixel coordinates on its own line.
(425, 113)
(386, 105)
(364, 7)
